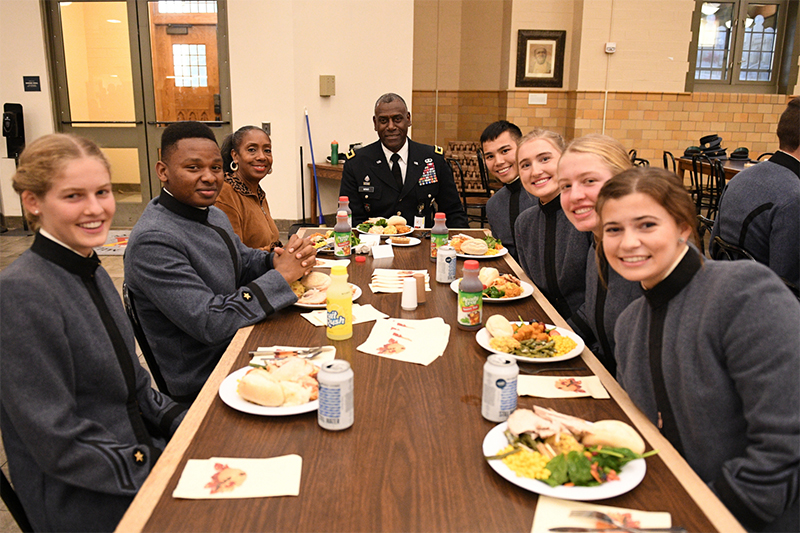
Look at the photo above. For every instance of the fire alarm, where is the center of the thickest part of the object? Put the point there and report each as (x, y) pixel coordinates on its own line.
(611, 48)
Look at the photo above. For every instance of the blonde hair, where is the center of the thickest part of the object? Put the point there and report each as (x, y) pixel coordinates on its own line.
(606, 148)
(44, 160)
(550, 136)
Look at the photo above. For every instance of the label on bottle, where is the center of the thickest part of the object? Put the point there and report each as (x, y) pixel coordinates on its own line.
(339, 315)
(437, 240)
(470, 309)
(341, 244)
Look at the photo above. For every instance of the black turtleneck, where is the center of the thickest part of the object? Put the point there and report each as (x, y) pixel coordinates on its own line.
(513, 206)
(550, 210)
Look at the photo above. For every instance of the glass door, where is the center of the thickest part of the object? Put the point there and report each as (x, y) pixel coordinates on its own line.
(124, 70)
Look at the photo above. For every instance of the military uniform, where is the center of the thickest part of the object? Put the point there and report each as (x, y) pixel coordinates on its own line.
(368, 182)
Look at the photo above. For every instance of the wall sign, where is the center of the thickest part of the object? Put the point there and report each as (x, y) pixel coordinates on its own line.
(31, 84)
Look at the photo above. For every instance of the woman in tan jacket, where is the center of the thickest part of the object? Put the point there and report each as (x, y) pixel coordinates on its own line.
(247, 159)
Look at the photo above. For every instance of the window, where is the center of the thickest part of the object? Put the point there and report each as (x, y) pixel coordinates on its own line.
(738, 45)
(189, 61)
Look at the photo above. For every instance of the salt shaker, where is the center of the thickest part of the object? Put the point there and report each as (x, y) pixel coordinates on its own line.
(409, 299)
(420, 279)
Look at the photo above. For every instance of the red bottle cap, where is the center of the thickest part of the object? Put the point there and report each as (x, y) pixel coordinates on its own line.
(344, 199)
(360, 259)
(439, 215)
(471, 264)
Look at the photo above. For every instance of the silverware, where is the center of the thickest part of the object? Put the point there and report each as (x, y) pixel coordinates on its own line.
(305, 353)
(603, 517)
(568, 529)
(533, 372)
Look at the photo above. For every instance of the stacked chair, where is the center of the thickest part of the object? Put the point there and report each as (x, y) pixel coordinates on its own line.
(471, 177)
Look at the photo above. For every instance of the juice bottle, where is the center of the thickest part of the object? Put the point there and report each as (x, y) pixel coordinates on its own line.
(439, 234)
(341, 235)
(344, 205)
(340, 305)
(334, 153)
(470, 297)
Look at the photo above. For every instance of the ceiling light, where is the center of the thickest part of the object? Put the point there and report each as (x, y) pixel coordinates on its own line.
(709, 8)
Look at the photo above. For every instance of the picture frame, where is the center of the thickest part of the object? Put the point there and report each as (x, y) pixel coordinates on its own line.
(540, 58)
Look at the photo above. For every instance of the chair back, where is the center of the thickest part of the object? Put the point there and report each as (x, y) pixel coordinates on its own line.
(669, 162)
(730, 252)
(704, 225)
(708, 180)
(640, 162)
(14, 506)
(765, 155)
(130, 309)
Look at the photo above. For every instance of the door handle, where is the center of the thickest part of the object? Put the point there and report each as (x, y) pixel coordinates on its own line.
(101, 122)
(212, 123)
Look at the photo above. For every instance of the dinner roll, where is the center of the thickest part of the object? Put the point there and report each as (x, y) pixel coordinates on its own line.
(258, 386)
(474, 247)
(396, 220)
(487, 275)
(614, 433)
(499, 326)
(316, 280)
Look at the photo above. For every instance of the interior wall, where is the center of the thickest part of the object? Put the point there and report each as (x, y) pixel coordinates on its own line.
(279, 49)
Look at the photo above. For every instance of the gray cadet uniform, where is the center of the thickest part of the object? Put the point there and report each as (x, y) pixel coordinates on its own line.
(503, 209)
(82, 427)
(196, 284)
(724, 336)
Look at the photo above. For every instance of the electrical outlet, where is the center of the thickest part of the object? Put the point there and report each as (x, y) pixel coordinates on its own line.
(267, 127)
(327, 85)
(611, 48)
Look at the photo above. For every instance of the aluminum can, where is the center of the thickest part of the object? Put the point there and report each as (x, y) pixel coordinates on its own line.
(446, 264)
(335, 395)
(499, 387)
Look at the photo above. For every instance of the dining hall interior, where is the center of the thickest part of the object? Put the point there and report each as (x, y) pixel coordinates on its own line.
(656, 75)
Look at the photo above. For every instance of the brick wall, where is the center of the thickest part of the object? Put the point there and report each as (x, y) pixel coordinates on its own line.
(648, 122)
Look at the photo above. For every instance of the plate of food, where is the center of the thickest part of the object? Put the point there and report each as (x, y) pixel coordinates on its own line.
(396, 240)
(384, 227)
(529, 342)
(544, 451)
(323, 242)
(484, 248)
(280, 388)
(499, 287)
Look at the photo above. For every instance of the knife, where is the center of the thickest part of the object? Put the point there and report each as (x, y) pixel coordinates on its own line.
(612, 528)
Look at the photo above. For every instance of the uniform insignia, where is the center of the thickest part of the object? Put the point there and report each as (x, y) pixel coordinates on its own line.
(438, 150)
(138, 456)
(364, 188)
(351, 154)
(367, 208)
(366, 179)
(247, 295)
(429, 160)
(429, 174)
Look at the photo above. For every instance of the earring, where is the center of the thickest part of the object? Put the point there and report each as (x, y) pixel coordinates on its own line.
(36, 212)
(681, 240)
(269, 171)
(234, 166)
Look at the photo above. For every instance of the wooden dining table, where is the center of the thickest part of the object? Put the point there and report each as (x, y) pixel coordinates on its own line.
(730, 166)
(413, 459)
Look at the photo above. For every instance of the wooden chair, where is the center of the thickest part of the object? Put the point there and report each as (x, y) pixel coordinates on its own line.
(638, 161)
(669, 162)
(704, 225)
(474, 196)
(130, 308)
(765, 155)
(708, 180)
(14, 506)
(730, 252)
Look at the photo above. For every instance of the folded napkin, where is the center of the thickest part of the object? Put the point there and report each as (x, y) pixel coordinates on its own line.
(328, 263)
(361, 313)
(391, 280)
(554, 512)
(561, 387)
(328, 353)
(412, 341)
(232, 477)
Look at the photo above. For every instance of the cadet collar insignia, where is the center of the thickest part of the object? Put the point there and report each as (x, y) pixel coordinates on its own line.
(438, 150)
(247, 295)
(379, 161)
(429, 160)
(351, 154)
(366, 179)
(138, 456)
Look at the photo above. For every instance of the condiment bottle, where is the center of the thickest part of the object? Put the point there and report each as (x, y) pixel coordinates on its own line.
(334, 153)
(419, 277)
(344, 205)
(470, 297)
(341, 235)
(439, 234)
(340, 305)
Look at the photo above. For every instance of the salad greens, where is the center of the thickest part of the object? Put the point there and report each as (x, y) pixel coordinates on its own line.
(604, 464)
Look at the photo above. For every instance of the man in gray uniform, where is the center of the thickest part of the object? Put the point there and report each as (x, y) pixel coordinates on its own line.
(194, 282)
(760, 208)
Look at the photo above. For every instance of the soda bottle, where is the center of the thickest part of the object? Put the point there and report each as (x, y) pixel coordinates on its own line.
(344, 205)
(334, 153)
(470, 297)
(341, 235)
(340, 305)
(439, 234)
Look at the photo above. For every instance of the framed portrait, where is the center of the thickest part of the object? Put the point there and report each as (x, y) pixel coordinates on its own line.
(540, 58)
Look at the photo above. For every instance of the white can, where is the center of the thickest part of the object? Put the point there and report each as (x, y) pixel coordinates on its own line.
(335, 395)
(446, 264)
(499, 387)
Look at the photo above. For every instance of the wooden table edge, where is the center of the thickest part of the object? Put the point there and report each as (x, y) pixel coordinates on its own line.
(144, 503)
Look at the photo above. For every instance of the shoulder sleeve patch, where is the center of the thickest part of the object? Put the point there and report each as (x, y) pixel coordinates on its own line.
(351, 154)
(438, 150)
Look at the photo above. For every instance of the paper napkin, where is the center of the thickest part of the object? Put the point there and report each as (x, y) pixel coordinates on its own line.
(561, 387)
(412, 341)
(232, 477)
(361, 313)
(328, 353)
(391, 280)
(328, 263)
(554, 512)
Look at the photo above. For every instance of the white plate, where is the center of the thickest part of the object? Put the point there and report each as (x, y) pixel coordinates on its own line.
(500, 253)
(228, 394)
(409, 232)
(631, 475)
(412, 241)
(527, 290)
(356, 295)
(483, 337)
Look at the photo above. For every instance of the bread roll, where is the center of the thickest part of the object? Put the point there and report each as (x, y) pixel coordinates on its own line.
(499, 326)
(294, 393)
(258, 386)
(396, 220)
(474, 247)
(316, 280)
(614, 433)
(487, 275)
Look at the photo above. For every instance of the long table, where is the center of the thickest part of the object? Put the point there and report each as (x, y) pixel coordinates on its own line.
(413, 459)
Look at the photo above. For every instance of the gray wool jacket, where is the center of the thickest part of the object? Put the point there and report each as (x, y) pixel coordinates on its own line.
(500, 214)
(553, 254)
(731, 369)
(760, 211)
(195, 284)
(68, 370)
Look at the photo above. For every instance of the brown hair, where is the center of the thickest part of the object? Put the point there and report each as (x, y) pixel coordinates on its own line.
(606, 148)
(789, 126)
(550, 136)
(659, 184)
(44, 160)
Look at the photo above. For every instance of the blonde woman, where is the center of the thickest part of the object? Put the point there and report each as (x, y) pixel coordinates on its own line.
(81, 425)
(551, 251)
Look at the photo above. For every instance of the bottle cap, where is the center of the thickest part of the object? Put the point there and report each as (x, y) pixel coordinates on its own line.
(334, 142)
(338, 270)
(437, 216)
(471, 264)
(344, 199)
(360, 259)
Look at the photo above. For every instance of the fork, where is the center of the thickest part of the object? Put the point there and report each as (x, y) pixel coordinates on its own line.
(534, 372)
(306, 353)
(603, 517)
